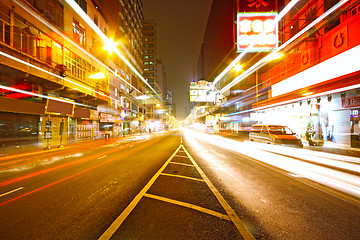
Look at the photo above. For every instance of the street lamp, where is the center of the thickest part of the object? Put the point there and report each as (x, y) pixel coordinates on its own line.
(98, 75)
(110, 45)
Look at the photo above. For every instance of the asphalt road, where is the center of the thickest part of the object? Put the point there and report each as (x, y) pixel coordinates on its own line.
(165, 186)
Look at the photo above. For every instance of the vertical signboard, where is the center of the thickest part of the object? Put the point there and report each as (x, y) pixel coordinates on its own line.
(258, 30)
(255, 17)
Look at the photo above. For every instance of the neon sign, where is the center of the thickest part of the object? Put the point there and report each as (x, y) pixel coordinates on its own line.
(257, 29)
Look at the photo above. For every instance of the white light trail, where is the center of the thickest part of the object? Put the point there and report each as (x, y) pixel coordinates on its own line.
(263, 60)
(43, 96)
(89, 21)
(246, 50)
(316, 166)
(44, 21)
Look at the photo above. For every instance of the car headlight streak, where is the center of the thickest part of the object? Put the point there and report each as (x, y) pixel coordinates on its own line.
(317, 166)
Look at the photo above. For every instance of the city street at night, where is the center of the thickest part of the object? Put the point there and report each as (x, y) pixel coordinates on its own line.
(179, 120)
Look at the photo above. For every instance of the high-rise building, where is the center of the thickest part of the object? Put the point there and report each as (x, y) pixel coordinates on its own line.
(161, 77)
(57, 82)
(150, 53)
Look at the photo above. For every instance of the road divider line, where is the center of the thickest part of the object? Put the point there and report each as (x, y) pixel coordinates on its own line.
(189, 205)
(181, 176)
(102, 157)
(184, 164)
(4, 194)
(234, 218)
(121, 218)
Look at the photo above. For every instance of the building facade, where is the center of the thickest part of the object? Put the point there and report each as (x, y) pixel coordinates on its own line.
(313, 88)
(57, 83)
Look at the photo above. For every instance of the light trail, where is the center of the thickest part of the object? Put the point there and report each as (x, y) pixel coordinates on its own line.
(44, 21)
(323, 168)
(90, 22)
(8, 182)
(263, 60)
(247, 49)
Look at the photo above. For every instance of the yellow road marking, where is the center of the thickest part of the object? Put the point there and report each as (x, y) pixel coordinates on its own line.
(234, 218)
(184, 164)
(120, 219)
(181, 156)
(4, 194)
(189, 205)
(180, 176)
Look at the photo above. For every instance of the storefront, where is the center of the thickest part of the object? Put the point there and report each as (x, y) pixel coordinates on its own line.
(106, 125)
(332, 118)
(16, 128)
(87, 125)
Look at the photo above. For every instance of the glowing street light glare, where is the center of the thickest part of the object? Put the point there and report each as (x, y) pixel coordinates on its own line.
(110, 45)
(274, 56)
(143, 97)
(99, 75)
(238, 67)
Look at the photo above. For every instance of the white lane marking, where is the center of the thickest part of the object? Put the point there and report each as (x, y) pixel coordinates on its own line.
(189, 205)
(121, 218)
(11, 191)
(180, 176)
(184, 164)
(102, 157)
(234, 218)
(181, 156)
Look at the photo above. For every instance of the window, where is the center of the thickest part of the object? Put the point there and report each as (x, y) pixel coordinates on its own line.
(82, 4)
(78, 33)
(332, 24)
(96, 20)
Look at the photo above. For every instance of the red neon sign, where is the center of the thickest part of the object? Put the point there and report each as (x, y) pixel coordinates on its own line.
(257, 29)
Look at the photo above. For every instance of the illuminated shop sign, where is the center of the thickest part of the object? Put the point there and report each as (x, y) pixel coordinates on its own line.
(258, 29)
(202, 91)
(353, 101)
(354, 113)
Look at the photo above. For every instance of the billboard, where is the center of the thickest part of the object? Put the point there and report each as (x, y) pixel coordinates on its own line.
(257, 29)
(202, 91)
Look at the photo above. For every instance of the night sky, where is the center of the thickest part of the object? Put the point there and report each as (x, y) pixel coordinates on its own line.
(180, 25)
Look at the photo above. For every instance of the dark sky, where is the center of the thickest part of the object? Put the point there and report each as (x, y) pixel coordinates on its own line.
(181, 25)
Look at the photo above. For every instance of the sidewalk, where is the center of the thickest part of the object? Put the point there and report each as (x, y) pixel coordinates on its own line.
(336, 148)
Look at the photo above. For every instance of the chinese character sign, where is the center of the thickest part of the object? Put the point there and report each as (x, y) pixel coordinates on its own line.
(257, 29)
(256, 5)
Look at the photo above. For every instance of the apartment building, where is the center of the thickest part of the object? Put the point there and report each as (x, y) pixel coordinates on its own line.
(57, 82)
